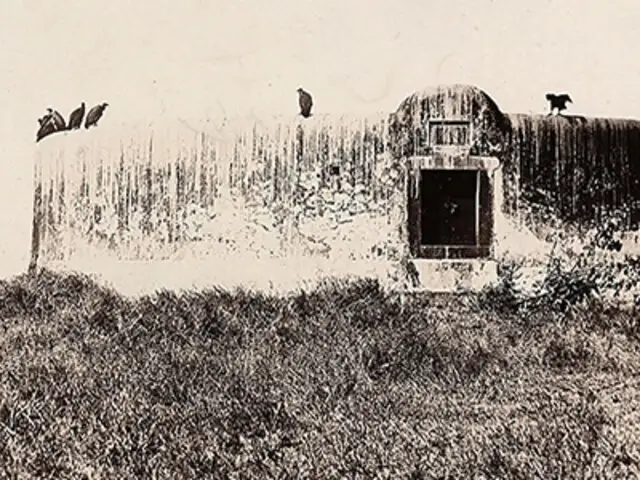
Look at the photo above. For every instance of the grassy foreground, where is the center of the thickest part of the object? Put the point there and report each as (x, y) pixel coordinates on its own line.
(337, 383)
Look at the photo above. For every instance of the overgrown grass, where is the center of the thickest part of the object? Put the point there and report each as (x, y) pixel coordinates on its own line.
(340, 382)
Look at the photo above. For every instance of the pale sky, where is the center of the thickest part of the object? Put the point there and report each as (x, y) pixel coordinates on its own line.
(199, 58)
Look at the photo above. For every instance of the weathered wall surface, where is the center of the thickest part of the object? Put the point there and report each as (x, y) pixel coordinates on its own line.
(580, 166)
(327, 189)
(171, 192)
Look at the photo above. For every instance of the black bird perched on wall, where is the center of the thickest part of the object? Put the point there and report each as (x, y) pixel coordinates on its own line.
(47, 127)
(46, 117)
(94, 115)
(75, 119)
(50, 123)
(558, 102)
(306, 102)
(57, 119)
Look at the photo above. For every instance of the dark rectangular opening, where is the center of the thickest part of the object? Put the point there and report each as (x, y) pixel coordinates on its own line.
(448, 205)
(450, 214)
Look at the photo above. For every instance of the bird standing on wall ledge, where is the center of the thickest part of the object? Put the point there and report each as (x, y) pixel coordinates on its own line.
(47, 127)
(306, 102)
(558, 103)
(58, 120)
(50, 123)
(94, 115)
(46, 117)
(75, 119)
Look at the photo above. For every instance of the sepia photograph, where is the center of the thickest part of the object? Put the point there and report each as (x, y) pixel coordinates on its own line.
(320, 239)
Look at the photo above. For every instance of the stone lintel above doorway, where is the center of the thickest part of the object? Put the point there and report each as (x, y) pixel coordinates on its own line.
(452, 161)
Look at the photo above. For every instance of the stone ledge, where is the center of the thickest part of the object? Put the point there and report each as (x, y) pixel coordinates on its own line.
(454, 275)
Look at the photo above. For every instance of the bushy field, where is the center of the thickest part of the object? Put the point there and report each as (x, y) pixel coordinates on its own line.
(341, 382)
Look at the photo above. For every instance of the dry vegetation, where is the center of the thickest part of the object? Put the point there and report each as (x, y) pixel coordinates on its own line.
(335, 383)
(343, 381)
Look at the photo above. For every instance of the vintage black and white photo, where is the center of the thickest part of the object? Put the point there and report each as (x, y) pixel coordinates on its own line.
(320, 240)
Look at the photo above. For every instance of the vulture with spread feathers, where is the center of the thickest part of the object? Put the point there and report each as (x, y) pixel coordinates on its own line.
(558, 102)
(50, 123)
(47, 127)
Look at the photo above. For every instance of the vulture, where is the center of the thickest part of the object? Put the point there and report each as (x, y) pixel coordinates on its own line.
(50, 123)
(75, 119)
(94, 115)
(45, 118)
(47, 127)
(558, 102)
(57, 119)
(306, 102)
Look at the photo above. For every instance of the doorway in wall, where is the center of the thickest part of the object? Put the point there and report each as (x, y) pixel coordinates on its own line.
(451, 215)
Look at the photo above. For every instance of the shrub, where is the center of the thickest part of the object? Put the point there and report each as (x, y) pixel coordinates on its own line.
(570, 277)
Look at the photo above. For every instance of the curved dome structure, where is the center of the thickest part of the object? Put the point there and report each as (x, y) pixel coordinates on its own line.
(487, 125)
